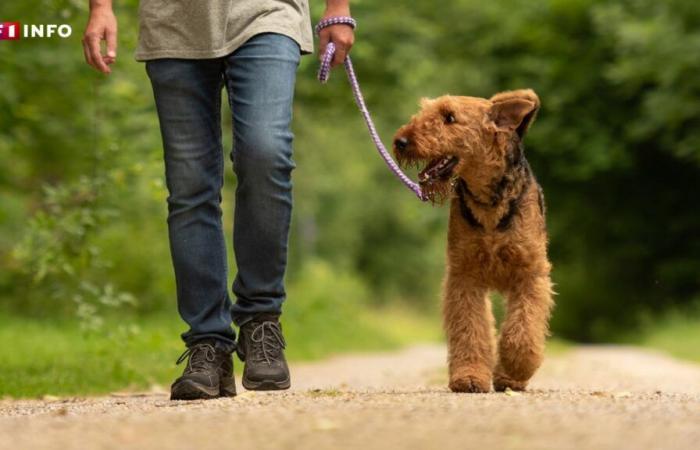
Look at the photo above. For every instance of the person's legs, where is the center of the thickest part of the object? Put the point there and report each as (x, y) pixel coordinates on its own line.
(260, 78)
(188, 97)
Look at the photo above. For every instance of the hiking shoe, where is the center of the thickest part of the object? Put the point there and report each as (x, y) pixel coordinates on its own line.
(209, 373)
(261, 345)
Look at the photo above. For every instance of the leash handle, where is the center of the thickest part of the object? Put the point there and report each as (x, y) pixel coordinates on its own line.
(324, 69)
(323, 75)
(337, 20)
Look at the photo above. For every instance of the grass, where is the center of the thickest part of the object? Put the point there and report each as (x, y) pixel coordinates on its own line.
(677, 334)
(41, 357)
(57, 358)
(558, 346)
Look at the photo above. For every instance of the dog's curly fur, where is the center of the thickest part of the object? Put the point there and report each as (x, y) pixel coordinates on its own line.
(497, 237)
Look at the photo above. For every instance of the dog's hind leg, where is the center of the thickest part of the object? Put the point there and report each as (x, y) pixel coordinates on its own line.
(523, 334)
(469, 326)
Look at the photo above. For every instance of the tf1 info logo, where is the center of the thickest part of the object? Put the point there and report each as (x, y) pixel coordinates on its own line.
(12, 31)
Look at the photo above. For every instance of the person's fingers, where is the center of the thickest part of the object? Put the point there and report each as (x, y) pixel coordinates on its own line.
(86, 52)
(93, 42)
(340, 54)
(324, 38)
(111, 37)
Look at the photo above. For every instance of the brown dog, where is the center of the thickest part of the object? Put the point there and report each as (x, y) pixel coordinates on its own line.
(497, 238)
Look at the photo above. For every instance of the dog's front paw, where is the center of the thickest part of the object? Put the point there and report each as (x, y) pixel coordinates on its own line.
(471, 381)
(501, 382)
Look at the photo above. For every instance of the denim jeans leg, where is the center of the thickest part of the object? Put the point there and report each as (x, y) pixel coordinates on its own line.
(188, 100)
(260, 78)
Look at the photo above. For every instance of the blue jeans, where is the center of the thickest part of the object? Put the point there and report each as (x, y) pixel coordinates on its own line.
(259, 78)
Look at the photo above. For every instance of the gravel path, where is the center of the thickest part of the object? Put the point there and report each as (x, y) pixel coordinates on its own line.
(588, 398)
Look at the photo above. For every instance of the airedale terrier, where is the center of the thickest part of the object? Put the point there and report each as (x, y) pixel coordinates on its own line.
(497, 237)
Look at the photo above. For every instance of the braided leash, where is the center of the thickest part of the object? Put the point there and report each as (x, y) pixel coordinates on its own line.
(324, 73)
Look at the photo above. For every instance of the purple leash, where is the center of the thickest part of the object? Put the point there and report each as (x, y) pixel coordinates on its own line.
(324, 73)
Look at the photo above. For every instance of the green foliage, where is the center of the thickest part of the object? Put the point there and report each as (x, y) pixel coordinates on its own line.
(675, 332)
(57, 258)
(330, 311)
(616, 148)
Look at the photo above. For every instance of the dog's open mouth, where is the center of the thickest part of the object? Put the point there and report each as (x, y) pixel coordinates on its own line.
(438, 169)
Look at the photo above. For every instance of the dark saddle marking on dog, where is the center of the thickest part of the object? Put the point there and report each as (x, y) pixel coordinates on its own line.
(513, 206)
(467, 214)
(518, 170)
(495, 198)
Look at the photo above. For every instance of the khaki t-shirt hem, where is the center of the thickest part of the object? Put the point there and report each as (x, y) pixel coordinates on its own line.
(230, 47)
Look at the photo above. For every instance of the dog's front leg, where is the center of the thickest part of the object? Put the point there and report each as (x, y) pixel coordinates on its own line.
(523, 334)
(469, 327)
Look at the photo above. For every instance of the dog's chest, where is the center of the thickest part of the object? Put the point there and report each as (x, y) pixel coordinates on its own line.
(497, 249)
(490, 256)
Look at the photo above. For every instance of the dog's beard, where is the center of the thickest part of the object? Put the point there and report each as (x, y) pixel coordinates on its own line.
(437, 191)
(407, 162)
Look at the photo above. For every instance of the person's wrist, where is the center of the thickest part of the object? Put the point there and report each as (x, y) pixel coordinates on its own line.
(101, 11)
(97, 4)
(336, 12)
(101, 7)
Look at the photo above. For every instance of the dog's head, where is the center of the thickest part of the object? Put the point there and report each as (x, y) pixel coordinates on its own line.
(454, 136)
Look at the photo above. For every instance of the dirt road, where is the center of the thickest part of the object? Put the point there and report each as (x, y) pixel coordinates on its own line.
(588, 398)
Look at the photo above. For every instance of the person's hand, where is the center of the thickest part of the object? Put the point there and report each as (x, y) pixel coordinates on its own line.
(102, 26)
(341, 35)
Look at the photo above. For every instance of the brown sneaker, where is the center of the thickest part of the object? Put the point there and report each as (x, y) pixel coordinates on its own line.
(209, 373)
(261, 345)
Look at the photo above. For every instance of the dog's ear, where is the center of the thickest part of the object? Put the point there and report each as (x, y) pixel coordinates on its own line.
(514, 110)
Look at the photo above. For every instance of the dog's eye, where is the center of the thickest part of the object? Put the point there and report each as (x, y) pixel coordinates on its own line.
(450, 118)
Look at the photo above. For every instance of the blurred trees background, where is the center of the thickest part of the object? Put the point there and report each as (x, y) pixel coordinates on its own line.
(616, 148)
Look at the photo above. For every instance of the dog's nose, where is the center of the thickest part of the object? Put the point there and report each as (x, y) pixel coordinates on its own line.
(401, 143)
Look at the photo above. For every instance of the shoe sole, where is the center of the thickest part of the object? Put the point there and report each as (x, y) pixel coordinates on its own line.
(266, 385)
(190, 390)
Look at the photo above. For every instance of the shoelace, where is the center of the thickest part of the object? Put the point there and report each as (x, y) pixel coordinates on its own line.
(200, 356)
(268, 341)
